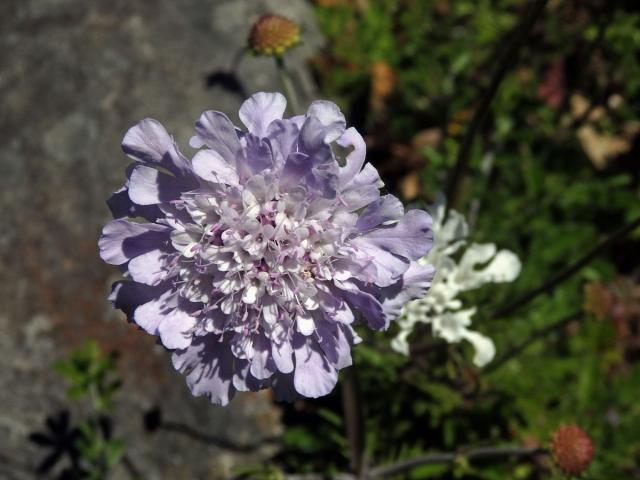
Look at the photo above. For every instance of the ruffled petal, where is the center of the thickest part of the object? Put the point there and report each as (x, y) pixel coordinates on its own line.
(128, 296)
(384, 209)
(210, 166)
(330, 117)
(283, 137)
(149, 142)
(355, 159)
(415, 283)
(122, 240)
(262, 108)
(411, 237)
(174, 329)
(364, 302)
(208, 364)
(121, 206)
(215, 130)
(150, 315)
(262, 363)
(148, 186)
(314, 376)
(150, 267)
(377, 265)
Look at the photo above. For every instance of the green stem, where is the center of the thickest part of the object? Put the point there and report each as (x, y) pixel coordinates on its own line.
(568, 272)
(506, 59)
(287, 84)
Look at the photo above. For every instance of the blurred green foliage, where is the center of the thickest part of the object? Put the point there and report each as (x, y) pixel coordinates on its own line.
(89, 372)
(554, 169)
(86, 450)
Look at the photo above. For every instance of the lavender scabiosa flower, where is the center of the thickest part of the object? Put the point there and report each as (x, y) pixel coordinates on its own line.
(254, 260)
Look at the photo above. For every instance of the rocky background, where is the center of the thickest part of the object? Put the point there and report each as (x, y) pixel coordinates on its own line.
(74, 75)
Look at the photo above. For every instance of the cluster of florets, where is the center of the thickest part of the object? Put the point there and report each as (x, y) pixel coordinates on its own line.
(572, 449)
(478, 264)
(254, 260)
(273, 35)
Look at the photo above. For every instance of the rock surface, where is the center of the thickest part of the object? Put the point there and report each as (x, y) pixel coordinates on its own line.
(74, 75)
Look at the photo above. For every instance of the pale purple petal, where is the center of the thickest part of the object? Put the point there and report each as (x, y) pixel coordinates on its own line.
(215, 130)
(283, 355)
(262, 364)
(121, 206)
(257, 158)
(122, 240)
(414, 284)
(330, 117)
(297, 167)
(150, 315)
(243, 381)
(150, 267)
(148, 186)
(260, 110)
(355, 159)
(314, 376)
(283, 137)
(210, 166)
(174, 329)
(382, 210)
(365, 303)
(388, 267)
(149, 142)
(411, 237)
(208, 365)
(128, 296)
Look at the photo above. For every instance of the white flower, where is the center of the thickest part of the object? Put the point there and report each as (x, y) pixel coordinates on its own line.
(479, 264)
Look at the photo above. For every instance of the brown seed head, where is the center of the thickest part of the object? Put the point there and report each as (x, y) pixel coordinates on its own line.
(273, 35)
(572, 449)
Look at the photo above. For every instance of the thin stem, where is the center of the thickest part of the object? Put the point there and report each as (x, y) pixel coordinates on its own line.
(354, 423)
(219, 442)
(505, 60)
(449, 457)
(568, 272)
(539, 334)
(482, 453)
(287, 84)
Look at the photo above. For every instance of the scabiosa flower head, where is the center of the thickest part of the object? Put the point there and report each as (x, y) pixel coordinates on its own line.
(273, 35)
(254, 260)
(441, 307)
(572, 449)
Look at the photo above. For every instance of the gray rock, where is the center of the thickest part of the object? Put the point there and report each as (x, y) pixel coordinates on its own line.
(74, 75)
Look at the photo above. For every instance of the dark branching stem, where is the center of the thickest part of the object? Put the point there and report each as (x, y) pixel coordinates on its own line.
(555, 280)
(450, 457)
(354, 422)
(482, 453)
(505, 60)
(533, 337)
(219, 442)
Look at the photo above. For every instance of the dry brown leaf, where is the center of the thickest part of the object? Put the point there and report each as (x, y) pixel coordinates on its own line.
(410, 186)
(431, 137)
(600, 148)
(383, 81)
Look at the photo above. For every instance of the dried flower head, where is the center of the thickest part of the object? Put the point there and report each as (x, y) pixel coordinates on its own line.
(254, 260)
(273, 35)
(572, 449)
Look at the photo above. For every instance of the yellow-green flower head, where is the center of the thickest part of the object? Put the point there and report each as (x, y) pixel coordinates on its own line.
(273, 35)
